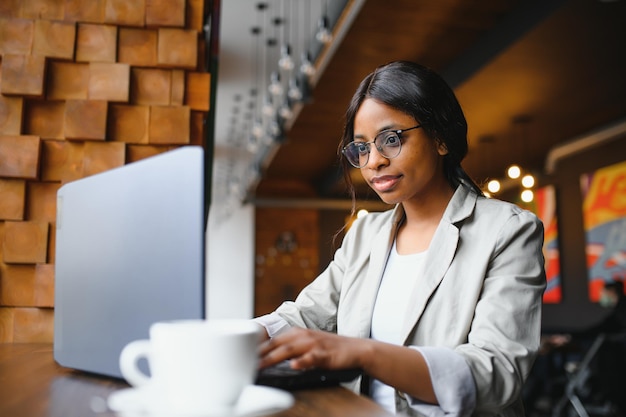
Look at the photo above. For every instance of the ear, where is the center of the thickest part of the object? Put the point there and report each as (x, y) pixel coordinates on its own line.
(442, 149)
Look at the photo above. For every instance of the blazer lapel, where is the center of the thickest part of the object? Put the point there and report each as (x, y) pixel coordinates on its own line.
(440, 255)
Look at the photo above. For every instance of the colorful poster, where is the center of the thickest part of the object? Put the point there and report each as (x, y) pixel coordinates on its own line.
(604, 216)
(544, 207)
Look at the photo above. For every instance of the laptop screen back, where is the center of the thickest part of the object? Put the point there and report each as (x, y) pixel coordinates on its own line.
(129, 252)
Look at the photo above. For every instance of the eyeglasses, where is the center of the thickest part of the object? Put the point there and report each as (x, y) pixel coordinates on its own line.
(387, 143)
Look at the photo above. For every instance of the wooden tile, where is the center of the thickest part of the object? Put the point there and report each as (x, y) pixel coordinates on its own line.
(202, 55)
(17, 285)
(67, 81)
(10, 8)
(125, 12)
(54, 39)
(165, 13)
(109, 81)
(177, 96)
(138, 47)
(1, 240)
(13, 194)
(11, 110)
(128, 124)
(136, 153)
(33, 325)
(41, 201)
(177, 48)
(25, 242)
(7, 317)
(198, 91)
(42, 9)
(61, 160)
(84, 11)
(85, 119)
(44, 118)
(16, 36)
(96, 43)
(169, 125)
(102, 156)
(195, 15)
(197, 128)
(150, 86)
(44, 285)
(19, 156)
(23, 75)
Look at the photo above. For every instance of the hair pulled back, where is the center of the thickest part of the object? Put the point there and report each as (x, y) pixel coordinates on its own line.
(424, 95)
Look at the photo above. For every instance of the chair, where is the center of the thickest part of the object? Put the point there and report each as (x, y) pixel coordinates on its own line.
(579, 382)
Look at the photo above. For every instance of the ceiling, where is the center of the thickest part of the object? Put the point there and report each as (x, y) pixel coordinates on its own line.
(530, 75)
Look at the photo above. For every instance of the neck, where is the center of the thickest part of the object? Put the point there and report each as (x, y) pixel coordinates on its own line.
(421, 220)
(427, 208)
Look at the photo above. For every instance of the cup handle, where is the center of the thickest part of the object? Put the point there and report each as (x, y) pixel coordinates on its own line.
(129, 358)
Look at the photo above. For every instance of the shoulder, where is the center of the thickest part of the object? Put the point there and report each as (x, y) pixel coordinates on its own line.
(468, 207)
(374, 222)
(502, 210)
(488, 218)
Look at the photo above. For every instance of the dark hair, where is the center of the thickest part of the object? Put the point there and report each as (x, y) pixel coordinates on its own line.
(422, 94)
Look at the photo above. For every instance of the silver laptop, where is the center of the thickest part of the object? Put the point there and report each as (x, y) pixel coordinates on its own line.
(129, 252)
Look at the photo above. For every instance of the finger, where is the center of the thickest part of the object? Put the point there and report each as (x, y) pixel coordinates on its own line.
(306, 361)
(277, 351)
(275, 343)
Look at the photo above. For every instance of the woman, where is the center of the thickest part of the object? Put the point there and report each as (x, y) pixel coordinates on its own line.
(437, 300)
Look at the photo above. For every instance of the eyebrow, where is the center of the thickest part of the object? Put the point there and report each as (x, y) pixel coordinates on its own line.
(384, 129)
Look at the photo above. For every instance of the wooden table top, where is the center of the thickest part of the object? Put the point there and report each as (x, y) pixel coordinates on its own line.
(32, 384)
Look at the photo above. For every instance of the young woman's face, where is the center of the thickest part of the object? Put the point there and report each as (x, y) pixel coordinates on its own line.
(415, 172)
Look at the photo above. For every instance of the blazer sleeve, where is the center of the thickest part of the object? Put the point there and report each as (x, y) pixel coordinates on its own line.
(349, 279)
(316, 305)
(504, 336)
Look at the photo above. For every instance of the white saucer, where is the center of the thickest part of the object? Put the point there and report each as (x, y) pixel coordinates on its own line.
(255, 400)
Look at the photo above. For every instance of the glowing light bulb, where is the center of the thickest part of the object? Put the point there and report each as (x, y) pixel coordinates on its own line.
(294, 93)
(527, 196)
(285, 112)
(528, 181)
(257, 130)
(493, 186)
(306, 67)
(286, 62)
(323, 35)
(275, 88)
(514, 171)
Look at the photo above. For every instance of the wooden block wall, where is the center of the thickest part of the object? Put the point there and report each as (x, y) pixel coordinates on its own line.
(85, 86)
(287, 255)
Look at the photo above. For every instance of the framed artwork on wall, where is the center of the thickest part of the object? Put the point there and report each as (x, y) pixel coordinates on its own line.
(604, 217)
(544, 207)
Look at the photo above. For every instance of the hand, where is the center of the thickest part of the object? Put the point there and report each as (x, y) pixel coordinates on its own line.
(312, 349)
(398, 366)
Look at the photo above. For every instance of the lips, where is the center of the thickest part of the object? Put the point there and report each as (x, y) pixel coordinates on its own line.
(384, 183)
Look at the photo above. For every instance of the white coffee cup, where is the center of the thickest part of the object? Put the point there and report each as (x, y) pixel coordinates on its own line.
(196, 366)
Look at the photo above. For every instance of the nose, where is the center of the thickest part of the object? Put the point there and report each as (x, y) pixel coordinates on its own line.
(376, 160)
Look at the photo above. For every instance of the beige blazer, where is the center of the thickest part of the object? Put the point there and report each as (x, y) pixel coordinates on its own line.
(484, 279)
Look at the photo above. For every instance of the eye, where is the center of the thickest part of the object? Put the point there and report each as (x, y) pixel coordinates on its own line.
(361, 147)
(391, 139)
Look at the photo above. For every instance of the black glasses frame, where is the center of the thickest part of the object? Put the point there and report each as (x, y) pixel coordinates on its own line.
(348, 149)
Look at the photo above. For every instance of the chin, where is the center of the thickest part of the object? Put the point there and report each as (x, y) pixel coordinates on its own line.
(389, 198)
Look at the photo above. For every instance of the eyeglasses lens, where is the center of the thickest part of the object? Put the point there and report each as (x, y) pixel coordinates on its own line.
(388, 145)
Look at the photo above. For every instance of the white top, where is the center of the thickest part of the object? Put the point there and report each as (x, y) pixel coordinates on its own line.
(402, 274)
